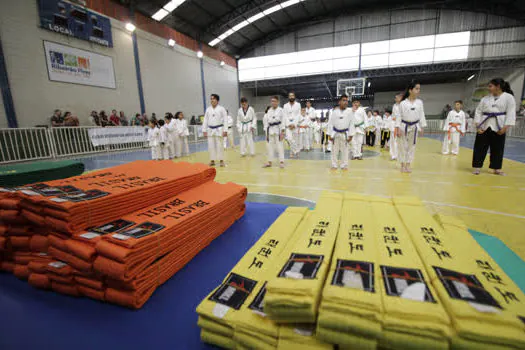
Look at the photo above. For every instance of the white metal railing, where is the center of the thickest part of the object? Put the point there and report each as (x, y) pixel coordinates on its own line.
(24, 144)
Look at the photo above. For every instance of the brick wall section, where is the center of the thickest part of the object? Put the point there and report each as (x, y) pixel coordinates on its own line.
(121, 13)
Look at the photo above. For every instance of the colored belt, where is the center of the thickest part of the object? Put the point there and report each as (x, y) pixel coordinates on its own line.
(245, 123)
(215, 126)
(407, 124)
(453, 125)
(268, 130)
(358, 125)
(492, 115)
(340, 130)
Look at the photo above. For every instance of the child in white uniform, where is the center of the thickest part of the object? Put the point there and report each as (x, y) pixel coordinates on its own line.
(183, 133)
(455, 125)
(395, 115)
(292, 112)
(228, 140)
(214, 129)
(385, 130)
(274, 126)
(370, 126)
(153, 139)
(311, 116)
(304, 126)
(173, 144)
(246, 125)
(412, 120)
(341, 130)
(164, 140)
(378, 121)
(359, 126)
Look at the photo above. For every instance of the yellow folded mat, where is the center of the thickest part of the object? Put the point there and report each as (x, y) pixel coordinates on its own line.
(413, 317)
(487, 308)
(351, 307)
(293, 295)
(219, 310)
(295, 337)
(217, 339)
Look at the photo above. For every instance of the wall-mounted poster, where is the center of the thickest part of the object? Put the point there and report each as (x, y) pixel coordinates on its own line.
(70, 65)
(73, 20)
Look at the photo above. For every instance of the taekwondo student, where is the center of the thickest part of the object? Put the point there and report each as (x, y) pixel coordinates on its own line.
(246, 125)
(412, 120)
(183, 132)
(304, 126)
(292, 113)
(455, 125)
(274, 125)
(341, 130)
(311, 115)
(378, 122)
(214, 129)
(385, 129)
(359, 125)
(495, 114)
(370, 126)
(395, 115)
(171, 126)
(228, 140)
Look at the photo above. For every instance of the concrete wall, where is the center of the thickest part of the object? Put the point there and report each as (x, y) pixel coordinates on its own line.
(434, 97)
(171, 77)
(223, 82)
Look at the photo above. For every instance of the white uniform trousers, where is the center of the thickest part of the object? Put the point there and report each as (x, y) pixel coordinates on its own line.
(155, 153)
(165, 152)
(177, 142)
(392, 143)
(171, 145)
(305, 139)
(292, 137)
(317, 136)
(407, 145)
(247, 143)
(340, 145)
(185, 147)
(378, 137)
(357, 145)
(275, 145)
(228, 140)
(215, 148)
(454, 140)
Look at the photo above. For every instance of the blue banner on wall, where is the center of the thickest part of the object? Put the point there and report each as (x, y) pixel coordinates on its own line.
(66, 18)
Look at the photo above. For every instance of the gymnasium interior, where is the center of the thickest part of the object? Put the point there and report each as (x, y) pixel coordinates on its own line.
(66, 65)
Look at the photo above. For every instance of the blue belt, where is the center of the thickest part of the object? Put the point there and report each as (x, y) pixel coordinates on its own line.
(340, 131)
(268, 130)
(215, 126)
(407, 124)
(492, 115)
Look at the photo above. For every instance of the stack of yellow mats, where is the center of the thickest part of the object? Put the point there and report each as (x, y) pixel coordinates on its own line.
(300, 337)
(351, 307)
(166, 236)
(240, 295)
(413, 317)
(485, 305)
(73, 205)
(293, 295)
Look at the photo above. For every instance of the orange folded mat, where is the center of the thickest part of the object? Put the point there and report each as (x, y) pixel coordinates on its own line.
(39, 280)
(39, 244)
(75, 204)
(167, 226)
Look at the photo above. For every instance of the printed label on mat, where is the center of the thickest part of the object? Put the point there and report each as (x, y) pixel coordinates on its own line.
(301, 266)
(406, 283)
(30, 193)
(57, 264)
(258, 303)
(465, 287)
(59, 200)
(234, 291)
(522, 319)
(112, 227)
(48, 191)
(142, 230)
(85, 196)
(90, 235)
(354, 274)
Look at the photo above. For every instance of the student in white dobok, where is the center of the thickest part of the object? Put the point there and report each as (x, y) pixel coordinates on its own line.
(292, 113)
(378, 120)
(396, 113)
(455, 126)
(164, 140)
(171, 127)
(495, 114)
(304, 126)
(312, 117)
(246, 125)
(184, 132)
(213, 128)
(153, 139)
(411, 122)
(359, 126)
(274, 126)
(228, 140)
(341, 130)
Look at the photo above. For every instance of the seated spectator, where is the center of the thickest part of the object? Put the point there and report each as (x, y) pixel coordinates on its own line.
(57, 120)
(135, 121)
(114, 119)
(153, 118)
(193, 121)
(70, 120)
(103, 118)
(94, 119)
(145, 120)
(123, 119)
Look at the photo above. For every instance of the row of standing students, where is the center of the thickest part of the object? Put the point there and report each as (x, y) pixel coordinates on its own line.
(168, 138)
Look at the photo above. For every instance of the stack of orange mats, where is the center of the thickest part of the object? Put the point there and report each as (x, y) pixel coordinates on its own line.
(72, 205)
(166, 236)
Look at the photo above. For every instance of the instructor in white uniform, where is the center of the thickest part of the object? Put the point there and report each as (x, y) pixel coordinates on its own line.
(341, 130)
(292, 113)
(246, 125)
(213, 128)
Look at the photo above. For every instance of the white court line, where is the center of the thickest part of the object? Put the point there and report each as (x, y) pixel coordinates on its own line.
(430, 202)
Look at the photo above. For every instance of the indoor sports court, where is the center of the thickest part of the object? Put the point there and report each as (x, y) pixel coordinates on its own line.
(232, 174)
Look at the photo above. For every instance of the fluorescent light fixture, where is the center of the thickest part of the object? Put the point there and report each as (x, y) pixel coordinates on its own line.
(289, 3)
(226, 34)
(130, 27)
(272, 9)
(222, 63)
(173, 4)
(369, 83)
(171, 43)
(240, 25)
(160, 14)
(200, 54)
(255, 17)
(214, 42)
(471, 77)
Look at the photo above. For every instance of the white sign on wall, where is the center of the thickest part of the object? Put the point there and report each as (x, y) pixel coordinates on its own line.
(70, 65)
(117, 135)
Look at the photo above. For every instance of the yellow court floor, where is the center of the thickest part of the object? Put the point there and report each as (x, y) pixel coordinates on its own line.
(486, 203)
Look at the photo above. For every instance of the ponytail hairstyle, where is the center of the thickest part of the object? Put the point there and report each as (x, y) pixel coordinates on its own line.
(504, 85)
(177, 115)
(410, 86)
(267, 109)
